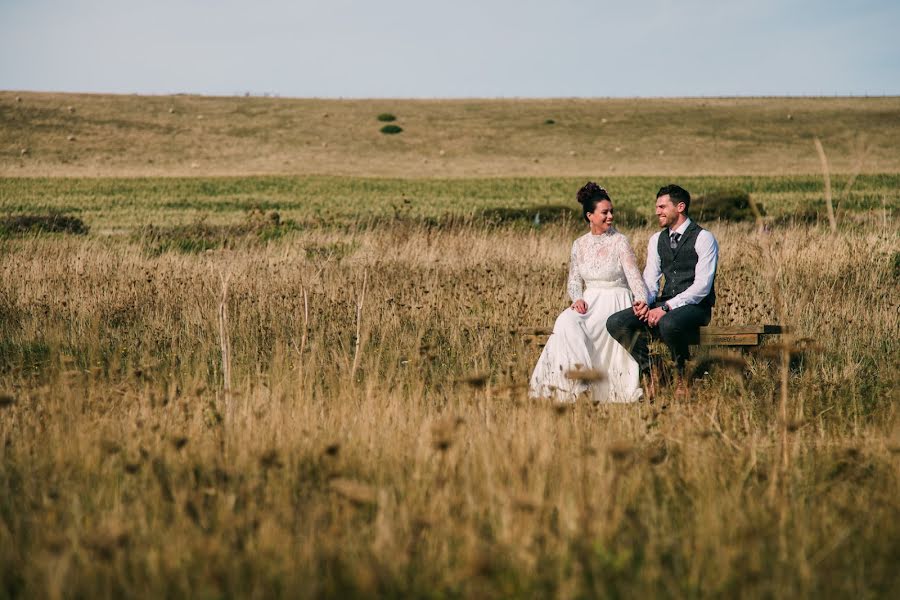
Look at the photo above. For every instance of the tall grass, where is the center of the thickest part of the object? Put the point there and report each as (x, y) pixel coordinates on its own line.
(379, 439)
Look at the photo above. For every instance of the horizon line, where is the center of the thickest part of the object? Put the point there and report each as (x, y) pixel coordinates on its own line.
(276, 96)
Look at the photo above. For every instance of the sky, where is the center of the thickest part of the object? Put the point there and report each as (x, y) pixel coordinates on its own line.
(451, 49)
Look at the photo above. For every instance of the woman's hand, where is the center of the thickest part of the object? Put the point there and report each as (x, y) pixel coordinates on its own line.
(579, 306)
(640, 310)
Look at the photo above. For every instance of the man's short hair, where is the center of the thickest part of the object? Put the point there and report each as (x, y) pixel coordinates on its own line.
(677, 194)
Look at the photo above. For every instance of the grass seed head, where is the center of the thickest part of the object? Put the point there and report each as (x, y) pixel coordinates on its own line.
(106, 542)
(620, 450)
(561, 408)
(332, 449)
(477, 381)
(794, 424)
(356, 492)
(585, 375)
(525, 504)
(656, 453)
(110, 447)
(444, 431)
(270, 460)
(727, 360)
(56, 544)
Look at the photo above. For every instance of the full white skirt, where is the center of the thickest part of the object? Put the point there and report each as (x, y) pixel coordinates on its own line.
(581, 342)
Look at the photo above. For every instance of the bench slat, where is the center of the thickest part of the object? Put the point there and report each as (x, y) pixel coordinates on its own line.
(740, 329)
(728, 339)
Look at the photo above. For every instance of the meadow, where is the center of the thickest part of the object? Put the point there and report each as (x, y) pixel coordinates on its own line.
(314, 386)
(95, 135)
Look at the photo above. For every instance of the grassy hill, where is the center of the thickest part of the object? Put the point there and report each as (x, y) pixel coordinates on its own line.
(46, 134)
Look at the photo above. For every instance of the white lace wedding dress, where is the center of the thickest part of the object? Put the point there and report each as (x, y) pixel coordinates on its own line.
(603, 272)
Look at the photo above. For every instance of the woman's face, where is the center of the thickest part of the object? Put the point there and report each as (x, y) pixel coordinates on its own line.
(602, 217)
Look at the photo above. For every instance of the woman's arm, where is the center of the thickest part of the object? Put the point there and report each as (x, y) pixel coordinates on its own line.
(632, 273)
(575, 285)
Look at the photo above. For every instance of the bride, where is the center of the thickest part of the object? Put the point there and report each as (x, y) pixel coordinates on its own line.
(603, 279)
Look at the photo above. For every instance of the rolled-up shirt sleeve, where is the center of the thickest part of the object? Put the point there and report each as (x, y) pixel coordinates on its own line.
(652, 271)
(707, 249)
(632, 273)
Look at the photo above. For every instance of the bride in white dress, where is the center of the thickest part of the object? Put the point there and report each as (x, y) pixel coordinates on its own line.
(603, 279)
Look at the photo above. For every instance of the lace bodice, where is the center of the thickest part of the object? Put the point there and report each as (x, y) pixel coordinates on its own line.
(604, 260)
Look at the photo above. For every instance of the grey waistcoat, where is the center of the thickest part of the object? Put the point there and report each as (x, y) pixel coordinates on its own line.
(678, 265)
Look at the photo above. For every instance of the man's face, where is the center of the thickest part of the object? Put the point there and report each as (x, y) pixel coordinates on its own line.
(666, 212)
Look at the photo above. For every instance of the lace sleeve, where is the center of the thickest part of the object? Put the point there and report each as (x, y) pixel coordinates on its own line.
(575, 285)
(632, 273)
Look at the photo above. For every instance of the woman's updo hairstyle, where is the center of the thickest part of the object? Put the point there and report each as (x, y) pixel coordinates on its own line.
(589, 195)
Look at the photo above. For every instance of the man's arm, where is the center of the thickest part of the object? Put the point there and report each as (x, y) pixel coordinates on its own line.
(704, 273)
(652, 272)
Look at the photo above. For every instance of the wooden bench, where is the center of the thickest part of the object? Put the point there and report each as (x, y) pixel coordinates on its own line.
(737, 335)
(732, 335)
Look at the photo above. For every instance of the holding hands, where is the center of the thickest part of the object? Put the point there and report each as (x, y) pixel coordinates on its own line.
(654, 315)
(651, 316)
(640, 310)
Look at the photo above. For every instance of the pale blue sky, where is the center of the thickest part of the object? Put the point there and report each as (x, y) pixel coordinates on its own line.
(459, 48)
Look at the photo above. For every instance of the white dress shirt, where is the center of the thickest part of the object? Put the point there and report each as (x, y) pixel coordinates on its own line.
(707, 249)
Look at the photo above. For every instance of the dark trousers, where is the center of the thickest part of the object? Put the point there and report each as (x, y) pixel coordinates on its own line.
(678, 329)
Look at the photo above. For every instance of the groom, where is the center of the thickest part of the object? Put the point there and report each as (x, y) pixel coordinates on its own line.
(686, 255)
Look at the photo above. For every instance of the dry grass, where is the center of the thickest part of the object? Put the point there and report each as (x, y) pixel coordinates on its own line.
(315, 386)
(124, 473)
(101, 135)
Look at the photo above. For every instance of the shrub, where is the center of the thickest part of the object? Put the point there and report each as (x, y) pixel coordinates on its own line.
(723, 205)
(391, 129)
(51, 223)
(387, 117)
(549, 122)
(804, 216)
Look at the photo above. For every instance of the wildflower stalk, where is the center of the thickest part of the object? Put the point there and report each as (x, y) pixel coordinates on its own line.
(224, 340)
(827, 175)
(359, 305)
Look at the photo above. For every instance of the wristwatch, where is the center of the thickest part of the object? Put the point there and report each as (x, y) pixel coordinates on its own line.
(665, 307)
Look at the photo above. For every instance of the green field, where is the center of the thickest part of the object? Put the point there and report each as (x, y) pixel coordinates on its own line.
(326, 201)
